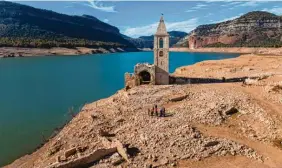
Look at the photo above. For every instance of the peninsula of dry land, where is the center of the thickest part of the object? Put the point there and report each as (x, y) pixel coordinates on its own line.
(234, 121)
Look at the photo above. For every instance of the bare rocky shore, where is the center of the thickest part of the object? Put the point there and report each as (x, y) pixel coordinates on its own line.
(27, 52)
(241, 50)
(225, 113)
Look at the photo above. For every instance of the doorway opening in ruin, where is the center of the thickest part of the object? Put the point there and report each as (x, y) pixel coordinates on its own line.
(145, 77)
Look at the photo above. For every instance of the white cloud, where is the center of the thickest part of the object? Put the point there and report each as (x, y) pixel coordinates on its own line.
(250, 4)
(147, 30)
(195, 8)
(190, 10)
(275, 10)
(198, 6)
(231, 3)
(209, 14)
(106, 20)
(99, 6)
(229, 18)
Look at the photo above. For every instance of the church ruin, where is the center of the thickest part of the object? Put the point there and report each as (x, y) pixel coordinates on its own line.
(157, 73)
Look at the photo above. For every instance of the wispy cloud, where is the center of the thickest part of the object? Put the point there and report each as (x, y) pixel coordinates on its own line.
(250, 4)
(234, 4)
(191, 10)
(106, 20)
(146, 30)
(197, 7)
(99, 6)
(229, 18)
(276, 10)
(208, 15)
(228, 4)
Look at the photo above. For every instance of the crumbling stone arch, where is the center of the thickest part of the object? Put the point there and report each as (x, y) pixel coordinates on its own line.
(144, 74)
(144, 77)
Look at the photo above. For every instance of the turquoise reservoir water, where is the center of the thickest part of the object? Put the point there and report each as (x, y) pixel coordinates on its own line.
(36, 93)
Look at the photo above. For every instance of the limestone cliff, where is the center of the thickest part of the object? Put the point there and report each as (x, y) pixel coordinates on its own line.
(254, 29)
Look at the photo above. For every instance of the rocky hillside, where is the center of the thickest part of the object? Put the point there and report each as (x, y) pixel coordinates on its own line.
(147, 41)
(254, 29)
(31, 27)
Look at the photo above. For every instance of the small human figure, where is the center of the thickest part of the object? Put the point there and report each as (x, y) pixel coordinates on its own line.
(152, 111)
(162, 112)
(149, 111)
(156, 110)
(223, 79)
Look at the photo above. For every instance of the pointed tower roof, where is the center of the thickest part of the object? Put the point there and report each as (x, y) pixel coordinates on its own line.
(161, 27)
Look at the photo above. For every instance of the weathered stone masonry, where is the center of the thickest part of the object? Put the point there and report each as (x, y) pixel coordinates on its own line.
(157, 73)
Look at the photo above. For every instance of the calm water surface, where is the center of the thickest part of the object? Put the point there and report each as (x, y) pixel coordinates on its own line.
(36, 93)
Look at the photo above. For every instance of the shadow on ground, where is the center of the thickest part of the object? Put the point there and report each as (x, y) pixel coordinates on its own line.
(186, 80)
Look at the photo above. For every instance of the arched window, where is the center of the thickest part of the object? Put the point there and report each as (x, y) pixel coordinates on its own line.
(161, 43)
(161, 53)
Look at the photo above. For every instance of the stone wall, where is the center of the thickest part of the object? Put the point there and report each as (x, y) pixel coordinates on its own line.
(144, 67)
(130, 80)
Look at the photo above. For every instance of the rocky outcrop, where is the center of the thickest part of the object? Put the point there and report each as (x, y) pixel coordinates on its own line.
(254, 29)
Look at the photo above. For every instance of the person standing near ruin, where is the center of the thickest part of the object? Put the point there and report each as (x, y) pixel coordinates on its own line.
(156, 110)
(162, 112)
(152, 111)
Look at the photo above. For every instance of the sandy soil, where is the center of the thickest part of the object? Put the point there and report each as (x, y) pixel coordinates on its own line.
(200, 130)
(242, 50)
(26, 52)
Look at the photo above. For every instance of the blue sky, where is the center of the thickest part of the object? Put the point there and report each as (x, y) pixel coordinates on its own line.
(139, 18)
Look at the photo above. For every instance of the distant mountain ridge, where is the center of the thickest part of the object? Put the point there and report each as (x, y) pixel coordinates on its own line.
(147, 41)
(20, 21)
(254, 29)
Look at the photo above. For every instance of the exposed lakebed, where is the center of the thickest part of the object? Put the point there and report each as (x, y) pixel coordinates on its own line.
(37, 94)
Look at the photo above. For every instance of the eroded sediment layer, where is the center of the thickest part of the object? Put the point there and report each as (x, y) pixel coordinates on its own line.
(29, 52)
(242, 50)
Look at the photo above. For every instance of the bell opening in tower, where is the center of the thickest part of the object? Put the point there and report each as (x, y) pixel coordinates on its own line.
(161, 43)
(161, 53)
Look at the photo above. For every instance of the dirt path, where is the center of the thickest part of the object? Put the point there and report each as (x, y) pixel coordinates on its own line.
(223, 162)
(272, 155)
(256, 93)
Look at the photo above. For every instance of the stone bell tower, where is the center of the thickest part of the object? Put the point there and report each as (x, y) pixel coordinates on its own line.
(161, 54)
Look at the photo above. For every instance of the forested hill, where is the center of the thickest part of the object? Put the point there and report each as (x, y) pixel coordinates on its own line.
(22, 25)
